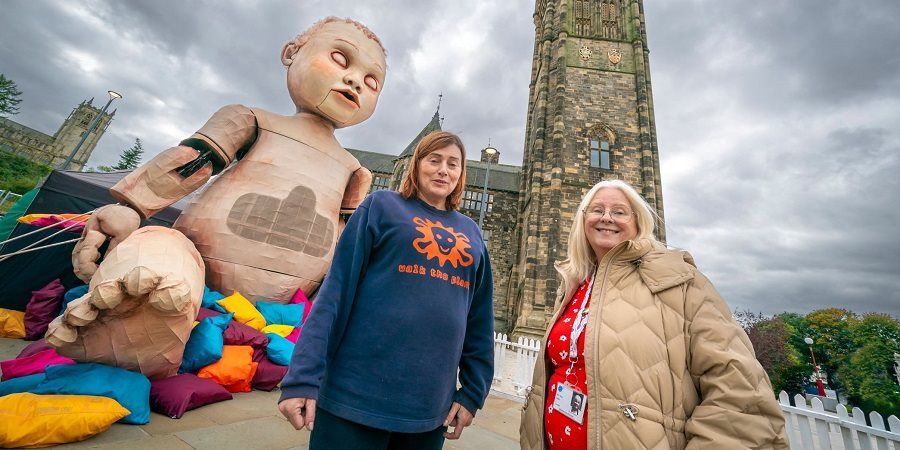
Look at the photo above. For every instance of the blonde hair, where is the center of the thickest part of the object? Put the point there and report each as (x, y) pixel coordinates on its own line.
(303, 37)
(581, 260)
(435, 140)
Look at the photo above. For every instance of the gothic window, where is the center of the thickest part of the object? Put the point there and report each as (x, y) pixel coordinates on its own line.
(583, 17)
(379, 183)
(601, 139)
(609, 19)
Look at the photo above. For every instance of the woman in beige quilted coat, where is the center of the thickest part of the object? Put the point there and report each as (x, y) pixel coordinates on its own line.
(657, 356)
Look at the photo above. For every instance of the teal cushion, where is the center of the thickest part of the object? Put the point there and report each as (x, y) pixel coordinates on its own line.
(279, 314)
(72, 294)
(204, 347)
(279, 349)
(130, 389)
(210, 298)
(21, 384)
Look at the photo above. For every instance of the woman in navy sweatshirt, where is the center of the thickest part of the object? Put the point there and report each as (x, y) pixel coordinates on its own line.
(406, 305)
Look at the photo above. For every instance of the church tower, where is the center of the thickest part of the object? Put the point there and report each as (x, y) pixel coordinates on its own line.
(590, 118)
(73, 128)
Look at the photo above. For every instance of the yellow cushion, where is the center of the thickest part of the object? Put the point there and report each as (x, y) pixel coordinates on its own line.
(244, 311)
(30, 420)
(281, 330)
(12, 323)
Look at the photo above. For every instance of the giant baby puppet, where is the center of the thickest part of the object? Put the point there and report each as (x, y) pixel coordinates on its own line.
(265, 227)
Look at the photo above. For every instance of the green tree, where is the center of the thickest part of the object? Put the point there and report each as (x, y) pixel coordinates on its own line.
(830, 328)
(130, 158)
(868, 375)
(9, 96)
(771, 339)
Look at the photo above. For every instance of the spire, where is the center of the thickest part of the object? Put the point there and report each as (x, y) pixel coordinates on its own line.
(440, 97)
(433, 125)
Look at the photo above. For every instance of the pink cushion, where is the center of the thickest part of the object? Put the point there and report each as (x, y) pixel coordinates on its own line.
(34, 347)
(300, 298)
(31, 365)
(268, 374)
(206, 312)
(294, 335)
(173, 396)
(43, 307)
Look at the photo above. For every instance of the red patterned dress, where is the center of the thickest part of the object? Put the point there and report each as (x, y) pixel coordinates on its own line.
(563, 432)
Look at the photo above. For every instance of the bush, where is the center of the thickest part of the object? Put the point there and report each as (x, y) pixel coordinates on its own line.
(18, 174)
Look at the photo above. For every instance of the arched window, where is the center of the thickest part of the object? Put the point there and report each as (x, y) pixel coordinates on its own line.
(601, 139)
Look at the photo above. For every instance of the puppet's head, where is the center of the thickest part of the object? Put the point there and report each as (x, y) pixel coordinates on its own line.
(336, 70)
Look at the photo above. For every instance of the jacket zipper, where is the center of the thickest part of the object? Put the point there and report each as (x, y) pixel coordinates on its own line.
(598, 321)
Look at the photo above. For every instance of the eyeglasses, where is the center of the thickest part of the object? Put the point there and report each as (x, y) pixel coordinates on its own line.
(616, 213)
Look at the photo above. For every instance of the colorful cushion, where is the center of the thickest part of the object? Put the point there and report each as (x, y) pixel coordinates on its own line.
(42, 309)
(28, 420)
(210, 298)
(268, 375)
(130, 389)
(236, 367)
(279, 349)
(204, 347)
(278, 314)
(30, 365)
(294, 336)
(20, 384)
(244, 311)
(240, 334)
(300, 298)
(281, 330)
(12, 323)
(34, 347)
(73, 294)
(203, 313)
(175, 395)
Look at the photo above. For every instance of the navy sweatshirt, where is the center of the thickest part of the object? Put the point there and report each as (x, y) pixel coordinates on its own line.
(407, 302)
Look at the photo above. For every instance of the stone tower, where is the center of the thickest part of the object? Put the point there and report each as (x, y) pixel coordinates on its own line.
(75, 125)
(590, 118)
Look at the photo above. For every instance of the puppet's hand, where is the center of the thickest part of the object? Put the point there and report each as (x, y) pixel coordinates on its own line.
(115, 222)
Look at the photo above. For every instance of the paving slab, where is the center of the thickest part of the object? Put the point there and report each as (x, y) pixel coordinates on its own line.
(262, 433)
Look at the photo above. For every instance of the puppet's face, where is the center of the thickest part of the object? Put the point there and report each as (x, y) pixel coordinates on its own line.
(338, 74)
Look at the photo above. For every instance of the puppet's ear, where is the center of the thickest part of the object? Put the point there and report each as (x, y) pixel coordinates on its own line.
(287, 53)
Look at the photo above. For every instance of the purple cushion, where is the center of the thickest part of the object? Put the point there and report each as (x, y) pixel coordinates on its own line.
(31, 365)
(175, 395)
(240, 334)
(268, 374)
(34, 347)
(42, 309)
(206, 312)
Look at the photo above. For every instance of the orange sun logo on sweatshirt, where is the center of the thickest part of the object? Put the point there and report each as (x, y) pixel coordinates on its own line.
(443, 243)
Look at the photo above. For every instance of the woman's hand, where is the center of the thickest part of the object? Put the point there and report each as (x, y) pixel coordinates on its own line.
(300, 412)
(458, 418)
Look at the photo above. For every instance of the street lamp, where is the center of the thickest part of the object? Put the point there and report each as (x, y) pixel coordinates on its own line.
(819, 383)
(490, 151)
(112, 96)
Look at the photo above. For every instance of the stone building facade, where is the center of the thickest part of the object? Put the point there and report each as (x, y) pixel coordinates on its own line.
(53, 150)
(590, 118)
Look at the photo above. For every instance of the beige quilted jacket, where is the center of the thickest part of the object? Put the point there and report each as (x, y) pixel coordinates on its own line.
(661, 343)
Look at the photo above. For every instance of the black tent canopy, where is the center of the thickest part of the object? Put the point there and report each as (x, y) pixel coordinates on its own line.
(61, 192)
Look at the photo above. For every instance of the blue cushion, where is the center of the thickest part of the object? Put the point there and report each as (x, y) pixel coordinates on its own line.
(73, 294)
(130, 389)
(278, 314)
(210, 298)
(204, 347)
(279, 349)
(21, 384)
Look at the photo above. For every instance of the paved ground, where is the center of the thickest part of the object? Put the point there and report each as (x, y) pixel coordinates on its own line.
(251, 421)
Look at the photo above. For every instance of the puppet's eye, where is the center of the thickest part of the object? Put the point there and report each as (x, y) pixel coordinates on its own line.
(339, 58)
(372, 83)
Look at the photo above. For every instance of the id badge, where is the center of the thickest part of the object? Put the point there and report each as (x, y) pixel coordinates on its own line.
(570, 402)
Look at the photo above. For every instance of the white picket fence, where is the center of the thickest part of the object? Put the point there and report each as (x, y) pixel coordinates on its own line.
(809, 427)
(513, 365)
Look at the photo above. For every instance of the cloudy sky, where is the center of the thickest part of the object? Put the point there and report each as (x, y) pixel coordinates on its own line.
(778, 122)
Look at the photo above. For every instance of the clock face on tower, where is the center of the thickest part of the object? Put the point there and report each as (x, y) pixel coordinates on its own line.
(585, 53)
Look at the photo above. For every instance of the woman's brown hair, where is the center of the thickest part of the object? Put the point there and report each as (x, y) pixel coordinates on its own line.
(435, 140)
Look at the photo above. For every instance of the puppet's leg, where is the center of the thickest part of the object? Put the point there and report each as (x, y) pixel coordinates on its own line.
(140, 306)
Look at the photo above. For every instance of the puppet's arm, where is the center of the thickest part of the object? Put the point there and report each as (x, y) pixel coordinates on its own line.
(356, 190)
